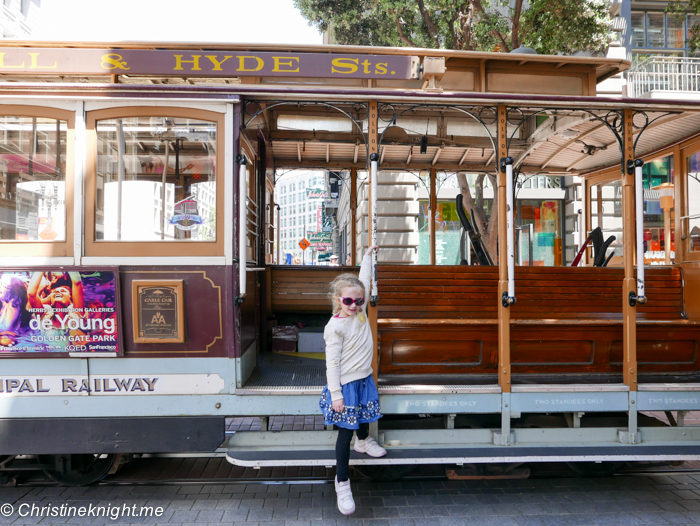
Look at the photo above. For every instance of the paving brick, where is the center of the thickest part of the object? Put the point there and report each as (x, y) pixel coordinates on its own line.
(410, 512)
(490, 521)
(260, 515)
(184, 516)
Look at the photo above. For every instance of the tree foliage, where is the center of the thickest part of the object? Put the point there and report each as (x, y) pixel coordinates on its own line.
(548, 26)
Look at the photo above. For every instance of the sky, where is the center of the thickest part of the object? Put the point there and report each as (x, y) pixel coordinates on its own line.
(240, 21)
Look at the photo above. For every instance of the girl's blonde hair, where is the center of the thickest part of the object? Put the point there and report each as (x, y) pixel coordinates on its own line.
(338, 284)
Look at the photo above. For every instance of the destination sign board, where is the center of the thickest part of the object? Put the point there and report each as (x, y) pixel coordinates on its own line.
(198, 63)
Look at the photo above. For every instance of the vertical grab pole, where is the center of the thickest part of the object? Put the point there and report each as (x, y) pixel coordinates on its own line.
(277, 234)
(373, 162)
(162, 190)
(629, 285)
(121, 147)
(639, 220)
(509, 295)
(242, 228)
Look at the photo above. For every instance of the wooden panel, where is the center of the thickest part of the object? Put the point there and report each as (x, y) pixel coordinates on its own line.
(563, 352)
(445, 294)
(303, 289)
(452, 350)
(421, 352)
(663, 349)
(449, 292)
(519, 83)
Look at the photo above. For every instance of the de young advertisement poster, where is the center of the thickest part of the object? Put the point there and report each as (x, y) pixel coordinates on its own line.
(58, 312)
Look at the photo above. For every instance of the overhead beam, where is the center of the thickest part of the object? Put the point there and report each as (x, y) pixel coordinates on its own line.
(463, 141)
(437, 156)
(493, 154)
(464, 156)
(448, 166)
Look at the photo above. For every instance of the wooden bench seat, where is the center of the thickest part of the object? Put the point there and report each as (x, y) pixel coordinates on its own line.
(442, 320)
(293, 289)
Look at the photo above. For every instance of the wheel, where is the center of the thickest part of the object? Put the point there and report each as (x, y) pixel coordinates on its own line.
(77, 470)
(596, 469)
(386, 473)
(6, 477)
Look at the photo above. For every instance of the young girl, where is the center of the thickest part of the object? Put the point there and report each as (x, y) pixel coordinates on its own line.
(350, 400)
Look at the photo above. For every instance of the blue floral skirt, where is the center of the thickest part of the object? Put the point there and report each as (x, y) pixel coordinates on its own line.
(361, 400)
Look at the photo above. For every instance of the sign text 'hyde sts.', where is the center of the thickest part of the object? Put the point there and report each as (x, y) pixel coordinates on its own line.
(205, 63)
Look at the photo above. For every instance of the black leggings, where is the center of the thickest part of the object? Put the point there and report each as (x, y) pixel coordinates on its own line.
(342, 449)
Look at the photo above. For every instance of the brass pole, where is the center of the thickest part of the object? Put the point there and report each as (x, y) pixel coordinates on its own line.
(629, 312)
(503, 312)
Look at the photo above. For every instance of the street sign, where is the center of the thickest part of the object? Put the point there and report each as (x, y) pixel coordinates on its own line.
(319, 237)
(316, 193)
(304, 244)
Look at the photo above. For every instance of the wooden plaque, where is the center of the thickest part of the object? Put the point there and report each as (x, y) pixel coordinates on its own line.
(158, 311)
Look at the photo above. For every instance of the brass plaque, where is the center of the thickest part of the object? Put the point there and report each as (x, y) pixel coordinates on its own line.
(158, 311)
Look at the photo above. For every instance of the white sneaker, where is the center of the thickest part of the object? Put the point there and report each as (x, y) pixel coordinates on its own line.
(369, 446)
(346, 504)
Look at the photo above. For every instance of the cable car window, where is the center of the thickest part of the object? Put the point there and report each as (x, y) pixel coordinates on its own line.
(693, 193)
(156, 179)
(32, 179)
(606, 213)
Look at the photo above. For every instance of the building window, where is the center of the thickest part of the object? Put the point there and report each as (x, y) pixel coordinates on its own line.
(638, 30)
(656, 30)
(676, 33)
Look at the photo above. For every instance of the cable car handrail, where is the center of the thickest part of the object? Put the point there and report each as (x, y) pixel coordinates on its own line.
(242, 220)
(635, 167)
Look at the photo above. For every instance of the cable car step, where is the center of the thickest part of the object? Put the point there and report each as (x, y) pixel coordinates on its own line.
(466, 455)
(459, 446)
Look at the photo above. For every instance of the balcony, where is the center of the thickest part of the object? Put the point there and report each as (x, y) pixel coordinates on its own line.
(672, 76)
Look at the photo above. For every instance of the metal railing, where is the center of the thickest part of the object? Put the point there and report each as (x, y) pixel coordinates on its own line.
(664, 74)
(13, 23)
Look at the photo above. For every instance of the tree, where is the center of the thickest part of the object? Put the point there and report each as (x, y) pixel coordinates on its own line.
(474, 205)
(548, 26)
